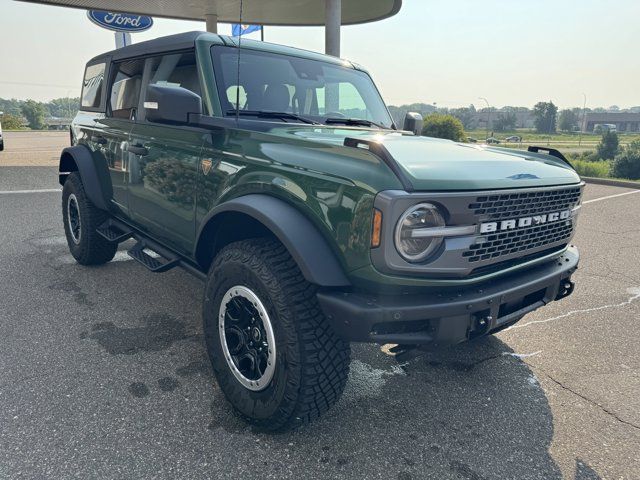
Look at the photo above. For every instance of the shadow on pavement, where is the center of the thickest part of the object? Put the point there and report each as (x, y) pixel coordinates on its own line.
(124, 374)
(472, 412)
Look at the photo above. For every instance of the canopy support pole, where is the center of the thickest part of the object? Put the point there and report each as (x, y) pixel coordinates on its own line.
(211, 16)
(212, 22)
(333, 20)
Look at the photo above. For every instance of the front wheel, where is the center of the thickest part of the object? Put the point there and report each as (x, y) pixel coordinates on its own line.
(276, 358)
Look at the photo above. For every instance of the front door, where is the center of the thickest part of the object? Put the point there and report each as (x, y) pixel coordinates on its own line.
(164, 162)
(164, 165)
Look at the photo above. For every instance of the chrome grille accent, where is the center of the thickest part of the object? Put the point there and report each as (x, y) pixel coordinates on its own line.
(514, 241)
(519, 242)
(514, 205)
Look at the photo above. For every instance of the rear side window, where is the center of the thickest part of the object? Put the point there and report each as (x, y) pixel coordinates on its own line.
(92, 85)
(125, 89)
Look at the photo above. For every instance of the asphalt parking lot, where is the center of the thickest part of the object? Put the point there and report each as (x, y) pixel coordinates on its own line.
(103, 373)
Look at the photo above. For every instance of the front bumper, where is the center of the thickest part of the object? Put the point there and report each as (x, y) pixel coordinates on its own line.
(446, 316)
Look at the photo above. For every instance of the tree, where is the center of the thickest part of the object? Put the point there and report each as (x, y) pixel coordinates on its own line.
(443, 126)
(608, 146)
(398, 113)
(35, 113)
(567, 120)
(11, 122)
(627, 164)
(505, 122)
(466, 115)
(545, 117)
(11, 106)
(63, 107)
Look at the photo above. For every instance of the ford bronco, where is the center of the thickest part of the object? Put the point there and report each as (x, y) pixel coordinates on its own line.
(279, 178)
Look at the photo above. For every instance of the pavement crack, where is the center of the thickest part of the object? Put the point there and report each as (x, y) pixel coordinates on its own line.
(635, 294)
(592, 402)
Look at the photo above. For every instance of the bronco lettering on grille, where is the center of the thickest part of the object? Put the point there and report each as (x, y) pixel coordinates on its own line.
(522, 222)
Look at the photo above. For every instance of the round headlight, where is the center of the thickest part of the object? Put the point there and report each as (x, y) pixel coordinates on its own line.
(412, 246)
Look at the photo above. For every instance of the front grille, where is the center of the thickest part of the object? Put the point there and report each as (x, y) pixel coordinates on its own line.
(514, 205)
(521, 240)
(524, 240)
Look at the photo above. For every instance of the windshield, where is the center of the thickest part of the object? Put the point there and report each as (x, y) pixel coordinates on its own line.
(312, 90)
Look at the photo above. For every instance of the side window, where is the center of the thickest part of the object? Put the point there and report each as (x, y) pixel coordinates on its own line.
(176, 69)
(92, 85)
(125, 89)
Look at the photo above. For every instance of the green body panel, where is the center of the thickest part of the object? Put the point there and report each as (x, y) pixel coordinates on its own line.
(333, 186)
(434, 164)
(162, 184)
(190, 170)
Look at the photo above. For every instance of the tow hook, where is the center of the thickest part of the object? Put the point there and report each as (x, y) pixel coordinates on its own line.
(566, 289)
(483, 324)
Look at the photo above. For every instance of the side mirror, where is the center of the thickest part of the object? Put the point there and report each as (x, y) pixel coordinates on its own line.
(413, 123)
(167, 104)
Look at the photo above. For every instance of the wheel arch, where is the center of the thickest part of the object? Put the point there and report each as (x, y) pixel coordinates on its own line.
(94, 174)
(243, 217)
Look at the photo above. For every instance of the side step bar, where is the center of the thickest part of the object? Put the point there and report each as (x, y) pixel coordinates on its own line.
(153, 256)
(150, 258)
(114, 231)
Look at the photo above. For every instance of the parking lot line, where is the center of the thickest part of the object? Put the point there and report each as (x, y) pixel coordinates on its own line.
(610, 196)
(46, 190)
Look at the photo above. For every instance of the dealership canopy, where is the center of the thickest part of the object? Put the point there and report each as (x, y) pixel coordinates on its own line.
(330, 13)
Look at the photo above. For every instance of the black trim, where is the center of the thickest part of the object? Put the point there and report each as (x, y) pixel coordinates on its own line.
(180, 41)
(317, 262)
(549, 151)
(380, 151)
(95, 175)
(446, 316)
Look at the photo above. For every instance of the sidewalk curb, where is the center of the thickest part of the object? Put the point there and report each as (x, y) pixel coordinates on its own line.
(611, 182)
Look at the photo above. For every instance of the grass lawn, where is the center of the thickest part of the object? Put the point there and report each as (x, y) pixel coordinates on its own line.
(565, 142)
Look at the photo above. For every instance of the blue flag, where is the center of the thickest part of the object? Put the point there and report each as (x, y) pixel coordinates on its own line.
(237, 29)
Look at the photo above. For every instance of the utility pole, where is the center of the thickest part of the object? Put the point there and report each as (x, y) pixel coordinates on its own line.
(582, 123)
(488, 113)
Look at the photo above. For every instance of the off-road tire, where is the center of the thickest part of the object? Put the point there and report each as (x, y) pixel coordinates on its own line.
(92, 248)
(312, 362)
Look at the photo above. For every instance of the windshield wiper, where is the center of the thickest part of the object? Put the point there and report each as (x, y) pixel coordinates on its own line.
(353, 122)
(268, 114)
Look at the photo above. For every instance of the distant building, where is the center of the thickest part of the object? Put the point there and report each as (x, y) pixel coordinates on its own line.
(624, 121)
(56, 123)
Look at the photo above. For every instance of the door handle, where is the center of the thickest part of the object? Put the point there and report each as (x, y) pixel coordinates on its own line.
(138, 150)
(99, 140)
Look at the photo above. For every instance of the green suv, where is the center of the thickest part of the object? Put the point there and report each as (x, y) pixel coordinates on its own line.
(279, 178)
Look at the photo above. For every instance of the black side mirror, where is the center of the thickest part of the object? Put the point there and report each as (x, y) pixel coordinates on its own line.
(413, 123)
(168, 104)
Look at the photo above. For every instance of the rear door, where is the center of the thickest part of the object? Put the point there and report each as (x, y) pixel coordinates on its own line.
(164, 161)
(113, 130)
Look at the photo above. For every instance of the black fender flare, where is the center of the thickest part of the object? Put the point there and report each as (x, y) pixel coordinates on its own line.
(95, 174)
(315, 258)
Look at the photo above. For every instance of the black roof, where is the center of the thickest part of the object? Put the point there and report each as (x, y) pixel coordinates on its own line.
(180, 41)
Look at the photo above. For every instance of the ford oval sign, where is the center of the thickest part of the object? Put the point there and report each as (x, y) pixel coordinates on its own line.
(120, 22)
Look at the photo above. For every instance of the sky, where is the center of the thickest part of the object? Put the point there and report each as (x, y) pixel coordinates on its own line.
(444, 52)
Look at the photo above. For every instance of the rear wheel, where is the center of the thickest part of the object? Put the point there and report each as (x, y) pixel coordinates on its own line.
(81, 219)
(276, 358)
